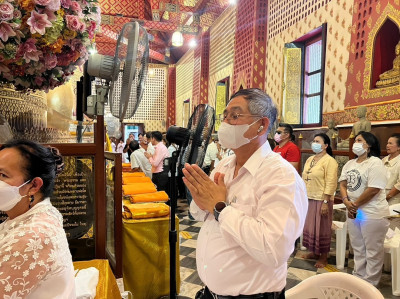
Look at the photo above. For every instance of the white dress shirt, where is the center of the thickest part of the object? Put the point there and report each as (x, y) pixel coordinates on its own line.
(246, 252)
(211, 154)
(393, 176)
(138, 159)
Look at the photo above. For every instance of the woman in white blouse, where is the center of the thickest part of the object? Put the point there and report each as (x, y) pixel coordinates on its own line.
(35, 261)
(392, 164)
(362, 187)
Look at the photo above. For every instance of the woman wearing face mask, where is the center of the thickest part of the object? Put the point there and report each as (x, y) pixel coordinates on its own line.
(320, 177)
(289, 151)
(362, 187)
(392, 164)
(35, 260)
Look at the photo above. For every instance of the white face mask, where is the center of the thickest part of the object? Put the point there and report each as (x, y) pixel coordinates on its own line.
(9, 196)
(358, 149)
(231, 136)
(316, 147)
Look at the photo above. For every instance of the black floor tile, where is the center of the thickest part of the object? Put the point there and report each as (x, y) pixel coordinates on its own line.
(188, 262)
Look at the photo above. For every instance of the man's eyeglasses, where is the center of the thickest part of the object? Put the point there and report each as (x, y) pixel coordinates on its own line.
(233, 117)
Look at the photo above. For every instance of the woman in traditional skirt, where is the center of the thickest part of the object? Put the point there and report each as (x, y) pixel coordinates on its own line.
(320, 176)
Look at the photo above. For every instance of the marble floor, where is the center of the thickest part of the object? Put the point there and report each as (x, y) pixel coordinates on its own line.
(298, 268)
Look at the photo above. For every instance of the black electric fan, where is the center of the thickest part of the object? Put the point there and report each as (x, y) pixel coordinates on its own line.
(192, 145)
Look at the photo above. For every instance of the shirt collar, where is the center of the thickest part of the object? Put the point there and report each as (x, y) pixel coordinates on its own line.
(253, 163)
(392, 162)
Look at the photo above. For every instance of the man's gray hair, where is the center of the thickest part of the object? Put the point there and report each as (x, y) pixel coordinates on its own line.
(259, 104)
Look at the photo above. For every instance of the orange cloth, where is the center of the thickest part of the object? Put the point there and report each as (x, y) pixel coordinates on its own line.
(107, 286)
(146, 210)
(138, 188)
(135, 179)
(149, 197)
(126, 165)
(133, 174)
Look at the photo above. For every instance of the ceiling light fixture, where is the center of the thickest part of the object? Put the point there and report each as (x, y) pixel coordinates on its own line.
(192, 43)
(177, 39)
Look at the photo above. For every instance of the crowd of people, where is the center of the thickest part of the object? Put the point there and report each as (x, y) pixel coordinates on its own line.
(252, 200)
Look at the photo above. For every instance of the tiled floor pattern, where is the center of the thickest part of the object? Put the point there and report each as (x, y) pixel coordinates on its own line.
(298, 268)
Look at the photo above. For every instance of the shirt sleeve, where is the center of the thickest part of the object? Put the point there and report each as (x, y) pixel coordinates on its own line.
(343, 174)
(377, 175)
(134, 162)
(25, 261)
(397, 184)
(331, 169)
(269, 234)
(293, 154)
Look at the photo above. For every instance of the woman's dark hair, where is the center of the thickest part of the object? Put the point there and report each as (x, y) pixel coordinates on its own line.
(140, 134)
(327, 141)
(288, 129)
(373, 142)
(397, 136)
(40, 161)
(134, 145)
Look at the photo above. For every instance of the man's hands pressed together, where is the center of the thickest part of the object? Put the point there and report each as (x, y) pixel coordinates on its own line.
(205, 192)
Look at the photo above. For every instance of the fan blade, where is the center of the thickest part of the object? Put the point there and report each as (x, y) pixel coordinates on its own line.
(200, 127)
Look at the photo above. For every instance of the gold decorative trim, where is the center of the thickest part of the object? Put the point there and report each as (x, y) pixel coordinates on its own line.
(388, 13)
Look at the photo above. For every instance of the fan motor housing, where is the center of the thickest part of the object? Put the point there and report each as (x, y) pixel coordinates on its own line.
(102, 66)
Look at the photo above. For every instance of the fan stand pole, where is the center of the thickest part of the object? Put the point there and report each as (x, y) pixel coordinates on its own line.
(172, 232)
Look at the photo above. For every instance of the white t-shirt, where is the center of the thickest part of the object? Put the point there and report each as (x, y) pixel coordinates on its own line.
(360, 176)
(224, 153)
(138, 159)
(211, 154)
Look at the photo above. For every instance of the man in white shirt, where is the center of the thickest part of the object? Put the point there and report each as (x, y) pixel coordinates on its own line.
(138, 159)
(253, 206)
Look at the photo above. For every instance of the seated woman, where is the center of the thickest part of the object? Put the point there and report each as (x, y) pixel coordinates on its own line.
(392, 164)
(35, 260)
(320, 176)
(362, 187)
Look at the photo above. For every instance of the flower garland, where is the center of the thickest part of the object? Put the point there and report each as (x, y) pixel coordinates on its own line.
(43, 41)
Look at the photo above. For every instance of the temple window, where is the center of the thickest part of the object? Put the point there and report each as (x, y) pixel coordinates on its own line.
(384, 53)
(303, 81)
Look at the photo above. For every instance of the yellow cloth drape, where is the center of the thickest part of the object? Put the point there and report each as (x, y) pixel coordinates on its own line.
(107, 286)
(134, 179)
(138, 188)
(145, 210)
(145, 255)
(149, 197)
(133, 174)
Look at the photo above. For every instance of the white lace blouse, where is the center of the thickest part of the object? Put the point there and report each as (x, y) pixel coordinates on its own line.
(35, 261)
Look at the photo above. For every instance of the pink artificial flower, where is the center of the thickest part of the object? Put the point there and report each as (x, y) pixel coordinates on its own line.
(54, 5)
(50, 61)
(6, 17)
(73, 22)
(29, 50)
(50, 14)
(39, 80)
(75, 6)
(38, 23)
(91, 29)
(17, 14)
(42, 2)
(82, 27)
(76, 44)
(65, 3)
(6, 8)
(6, 31)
